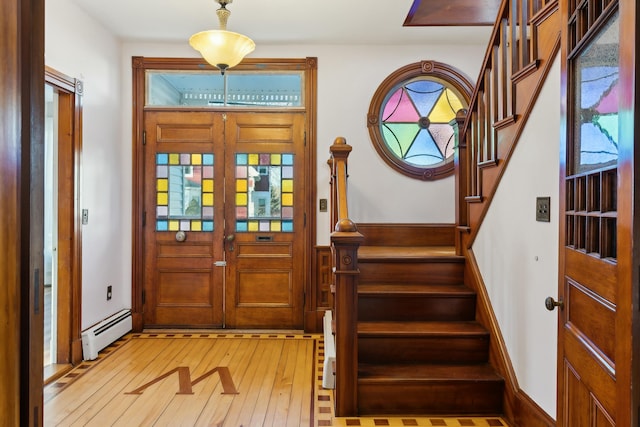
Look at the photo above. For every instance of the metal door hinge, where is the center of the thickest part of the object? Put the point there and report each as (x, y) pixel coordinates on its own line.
(144, 137)
(144, 218)
(144, 297)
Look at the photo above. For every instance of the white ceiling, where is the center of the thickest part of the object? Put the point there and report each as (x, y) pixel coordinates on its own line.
(275, 21)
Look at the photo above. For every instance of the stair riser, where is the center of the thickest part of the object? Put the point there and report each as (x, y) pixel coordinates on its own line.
(445, 349)
(452, 397)
(427, 273)
(416, 308)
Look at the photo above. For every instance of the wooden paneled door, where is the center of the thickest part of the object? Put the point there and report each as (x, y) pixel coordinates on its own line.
(184, 223)
(224, 219)
(265, 219)
(596, 290)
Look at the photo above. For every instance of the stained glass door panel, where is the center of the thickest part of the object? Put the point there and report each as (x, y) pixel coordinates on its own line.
(264, 220)
(183, 237)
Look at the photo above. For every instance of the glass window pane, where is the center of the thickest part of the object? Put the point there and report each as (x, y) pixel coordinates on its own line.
(415, 121)
(211, 89)
(264, 192)
(596, 102)
(184, 192)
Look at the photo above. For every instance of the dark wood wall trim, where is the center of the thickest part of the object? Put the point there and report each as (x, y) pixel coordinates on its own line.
(376, 234)
(320, 298)
(11, 142)
(21, 222)
(70, 92)
(519, 408)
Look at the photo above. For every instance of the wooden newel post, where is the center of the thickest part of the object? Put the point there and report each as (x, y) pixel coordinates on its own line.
(345, 242)
(461, 166)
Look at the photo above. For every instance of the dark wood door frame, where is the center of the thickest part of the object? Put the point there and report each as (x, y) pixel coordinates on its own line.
(21, 221)
(70, 91)
(139, 67)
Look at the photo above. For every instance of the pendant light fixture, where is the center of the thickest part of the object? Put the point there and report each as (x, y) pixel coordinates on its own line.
(221, 48)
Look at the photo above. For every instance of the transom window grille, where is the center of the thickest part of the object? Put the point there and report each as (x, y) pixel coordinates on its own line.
(208, 88)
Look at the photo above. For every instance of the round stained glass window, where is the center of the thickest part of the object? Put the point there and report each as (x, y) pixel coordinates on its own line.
(410, 118)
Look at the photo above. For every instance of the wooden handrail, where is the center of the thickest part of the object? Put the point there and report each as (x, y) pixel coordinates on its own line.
(345, 240)
(512, 55)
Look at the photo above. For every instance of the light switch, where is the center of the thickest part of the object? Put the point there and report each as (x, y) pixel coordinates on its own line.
(85, 216)
(543, 213)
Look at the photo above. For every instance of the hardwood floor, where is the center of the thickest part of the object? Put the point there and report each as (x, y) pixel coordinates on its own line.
(170, 379)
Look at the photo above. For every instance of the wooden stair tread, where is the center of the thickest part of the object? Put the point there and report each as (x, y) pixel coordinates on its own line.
(421, 329)
(414, 289)
(426, 372)
(408, 254)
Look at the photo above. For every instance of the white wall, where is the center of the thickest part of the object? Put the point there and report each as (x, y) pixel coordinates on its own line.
(79, 47)
(348, 76)
(518, 257)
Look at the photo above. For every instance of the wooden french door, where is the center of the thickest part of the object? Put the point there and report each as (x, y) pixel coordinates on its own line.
(265, 220)
(594, 332)
(224, 219)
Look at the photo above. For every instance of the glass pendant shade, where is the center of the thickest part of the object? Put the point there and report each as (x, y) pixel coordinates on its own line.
(221, 48)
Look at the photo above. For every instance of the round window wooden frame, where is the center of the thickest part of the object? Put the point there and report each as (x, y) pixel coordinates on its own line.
(442, 73)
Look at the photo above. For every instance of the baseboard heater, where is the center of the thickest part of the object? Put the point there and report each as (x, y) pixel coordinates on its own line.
(104, 333)
(328, 373)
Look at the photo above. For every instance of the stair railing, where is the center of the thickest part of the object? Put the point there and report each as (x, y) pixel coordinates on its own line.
(510, 57)
(345, 240)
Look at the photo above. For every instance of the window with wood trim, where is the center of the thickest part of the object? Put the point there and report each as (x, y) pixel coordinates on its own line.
(591, 184)
(412, 115)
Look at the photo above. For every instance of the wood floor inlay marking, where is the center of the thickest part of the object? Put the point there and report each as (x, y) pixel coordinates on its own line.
(140, 383)
(94, 393)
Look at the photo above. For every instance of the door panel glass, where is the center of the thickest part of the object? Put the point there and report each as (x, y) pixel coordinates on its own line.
(184, 192)
(264, 192)
(596, 102)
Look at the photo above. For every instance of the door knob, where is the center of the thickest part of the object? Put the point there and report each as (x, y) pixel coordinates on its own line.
(550, 303)
(230, 237)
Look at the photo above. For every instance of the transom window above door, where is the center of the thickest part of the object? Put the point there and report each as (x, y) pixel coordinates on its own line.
(208, 88)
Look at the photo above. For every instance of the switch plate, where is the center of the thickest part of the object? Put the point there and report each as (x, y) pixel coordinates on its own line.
(543, 211)
(323, 205)
(109, 292)
(85, 216)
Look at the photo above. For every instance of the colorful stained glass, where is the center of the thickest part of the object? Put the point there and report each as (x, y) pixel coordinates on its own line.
(184, 192)
(596, 102)
(414, 121)
(264, 184)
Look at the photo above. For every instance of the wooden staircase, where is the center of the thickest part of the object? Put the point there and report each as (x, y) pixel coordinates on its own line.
(410, 333)
(420, 349)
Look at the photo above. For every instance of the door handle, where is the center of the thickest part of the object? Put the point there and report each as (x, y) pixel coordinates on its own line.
(551, 304)
(229, 239)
